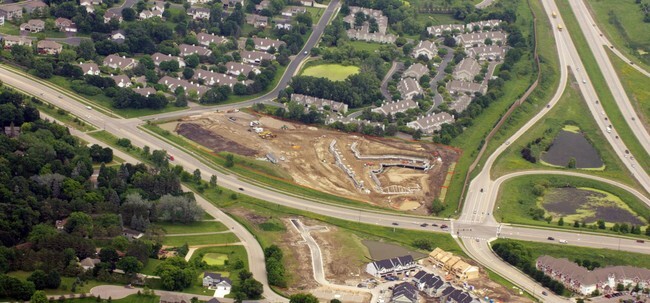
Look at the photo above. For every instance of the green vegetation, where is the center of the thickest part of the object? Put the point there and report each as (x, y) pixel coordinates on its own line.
(334, 72)
(605, 257)
(150, 268)
(201, 239)
(636, 87)
(64, 288)
(63, 116)
(193, 227)
(518, 200)
(568, 111)
(604, 95)
(215, 259)
(624, 26)
(128, 299)
(365, 46)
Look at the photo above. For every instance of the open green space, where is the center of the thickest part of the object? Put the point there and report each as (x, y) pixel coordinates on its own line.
(201, 239)
(636, 87)
(193, 227)
(606, 257)
(215, 259)
(570, 111)
(519, 201)
(623, 25)
(66, 283)
(600, 85)
(365, 46)
(334, 72)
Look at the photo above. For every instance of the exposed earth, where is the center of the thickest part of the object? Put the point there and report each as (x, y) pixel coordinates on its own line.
(380, 250)
(306, 154)
(567, 145)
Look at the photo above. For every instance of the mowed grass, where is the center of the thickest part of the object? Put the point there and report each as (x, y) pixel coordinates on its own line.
(623, 25)
(636, 87)
(201, 240)
(215, 259)
(365, 46)
(602, 89)
(334, 72)
(570, 109)
(194, 227)
(516, 199)
(150, 268)
(606, 257)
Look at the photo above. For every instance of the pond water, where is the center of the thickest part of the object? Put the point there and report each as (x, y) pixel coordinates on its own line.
(567, 145)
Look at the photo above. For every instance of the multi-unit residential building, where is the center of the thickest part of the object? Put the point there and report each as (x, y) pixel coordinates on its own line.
(291, 11)
(363, 32)
(145, 91)
(396, 107)
(416, 71)
(48, 47)
(159, 58)
(319, 103)
(390, 266)
(186, 50)
(488, 52)
(425, 48)
(439, 30)
(457, 87)
(255, 57)
(257, 20)
(199, 13)
(480, 25)
(207, 39)
(236, 69)
(409, 88)
(460, 103)
(122, 80)
(265, 44)
(115, 61)
(211, 78)
(113, 13)
(404, 292)
(451, 263)
(430, 123)
(467, 69)
(16, 40)
(146, 14)
(90, 68)
(174, 83)
(469, 40)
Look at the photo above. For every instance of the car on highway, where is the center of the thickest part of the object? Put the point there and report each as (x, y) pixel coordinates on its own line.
(424, 224)
(563, 241)
(170, 157)
(544, 293)
(551, 239)
(584, 80)
(395, 223)
(443, 226)
(89, 108)
(640, 241)
(306, 52)
(434, 225)
(241, 188)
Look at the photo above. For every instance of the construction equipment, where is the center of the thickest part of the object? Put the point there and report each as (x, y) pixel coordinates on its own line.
(267, 135)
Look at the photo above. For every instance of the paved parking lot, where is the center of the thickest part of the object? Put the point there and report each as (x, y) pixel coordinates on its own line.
(642, 298)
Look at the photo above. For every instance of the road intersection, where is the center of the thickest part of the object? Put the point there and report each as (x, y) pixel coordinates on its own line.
(476, 225)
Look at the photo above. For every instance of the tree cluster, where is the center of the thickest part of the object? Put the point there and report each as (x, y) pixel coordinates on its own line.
(356, 91)
(274, 267)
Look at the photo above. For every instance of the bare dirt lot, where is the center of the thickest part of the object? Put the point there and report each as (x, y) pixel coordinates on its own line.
(305, 152)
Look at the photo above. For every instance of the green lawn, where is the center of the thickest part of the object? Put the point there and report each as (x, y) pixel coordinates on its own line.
(606, 257)
(10, 29)
(233, 253)
(569, 110)
(363, 45)
(66, 283)
(150, 268)
(334, 72)
(624, 27)
(201, 240)
(215, 259)
(636, 87)
(194, 227)
(128, 299)
(516, 198)
(604, 95)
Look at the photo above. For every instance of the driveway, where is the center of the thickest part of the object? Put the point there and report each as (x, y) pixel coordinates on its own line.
(384, 83)
(119, 292)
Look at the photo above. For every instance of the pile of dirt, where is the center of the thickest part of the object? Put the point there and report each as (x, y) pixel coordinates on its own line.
(213, 141)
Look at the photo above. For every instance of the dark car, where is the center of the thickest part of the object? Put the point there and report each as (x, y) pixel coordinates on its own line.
(395, 223)
(551, 239)
(640, 241)
(424, 225)
(443, 226)
(434, 225)
(544, 293)
(241, 188)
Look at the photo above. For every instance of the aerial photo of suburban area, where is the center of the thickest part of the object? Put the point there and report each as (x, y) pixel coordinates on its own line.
(333, 151)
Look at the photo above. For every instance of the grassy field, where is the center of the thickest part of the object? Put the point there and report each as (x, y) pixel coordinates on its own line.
(194, 227)
(606, 257)
(201, 239)
(334, 72)
(624, 27)
(150, 268)
(636, 87)
(604, 95)
(64, 288)
(363, 45)
(215, 259)
(569, 110)
(516, 199)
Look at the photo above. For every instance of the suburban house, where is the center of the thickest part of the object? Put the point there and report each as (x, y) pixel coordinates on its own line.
(158, 6)
(186, 50)
(319, 103)
(396, 107)
(220, 284)
(170, 297)
(430, 123)
(207, 39)
(236, 68)
(456, 87)
(89, 68)
(122, 80)
(307, 2)
(173, 83)
(88, 263)
(579, 279)
(34, 6)
(111, 14)
(118, 36)
(257, 20)
(211, 78)
(146, 14)
(416, 71)
(65, 25)
(59, 224)
(231, 3)
(145, 91)
(115, 61)
(264, 44)
(11, 12)
(489, 52)
(425, 48)
(449, 262)
(390, 266)
(159, 58)
(16, 40)
(468, 40)
(33, 26)
(439, 30)
(363, 32)
(88, 4)
(255, 57)
(409, 88)
(283, 24)
(467, 69)
(404, 292)
(199, 13)
(472, 26)
(264, 4)
(291, 11)
(48, 47)
(460, 103)
(192, 2)
(364, 35)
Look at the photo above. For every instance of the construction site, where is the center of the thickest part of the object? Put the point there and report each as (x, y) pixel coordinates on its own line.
(385, 172)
